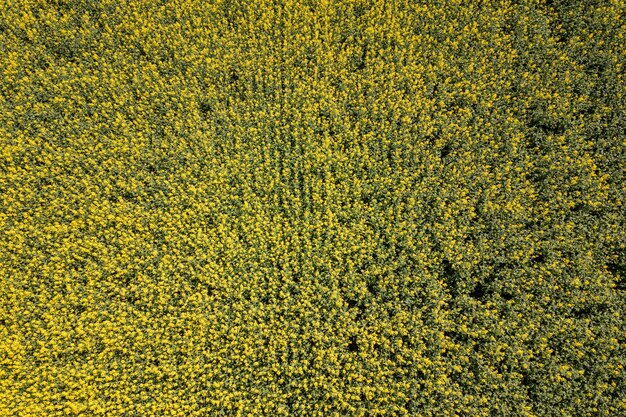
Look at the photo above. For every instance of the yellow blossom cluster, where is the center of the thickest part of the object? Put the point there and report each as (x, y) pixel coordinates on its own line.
(312, 208)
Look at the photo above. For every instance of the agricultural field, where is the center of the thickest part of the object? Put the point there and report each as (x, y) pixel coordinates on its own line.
(313, 208)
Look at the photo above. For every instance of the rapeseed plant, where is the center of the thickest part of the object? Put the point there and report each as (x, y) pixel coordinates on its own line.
(295, 207)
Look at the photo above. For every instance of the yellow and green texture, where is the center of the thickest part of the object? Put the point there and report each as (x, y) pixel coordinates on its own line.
(312, 208)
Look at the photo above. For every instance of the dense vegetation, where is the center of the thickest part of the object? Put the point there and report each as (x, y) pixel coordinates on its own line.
(312, 208)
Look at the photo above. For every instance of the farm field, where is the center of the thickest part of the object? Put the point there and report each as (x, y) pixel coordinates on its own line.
(313, 208)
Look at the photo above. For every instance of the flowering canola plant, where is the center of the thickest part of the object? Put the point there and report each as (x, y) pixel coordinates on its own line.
(312, 208)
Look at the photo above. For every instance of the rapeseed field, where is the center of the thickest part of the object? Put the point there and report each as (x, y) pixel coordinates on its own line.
(313, 208)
